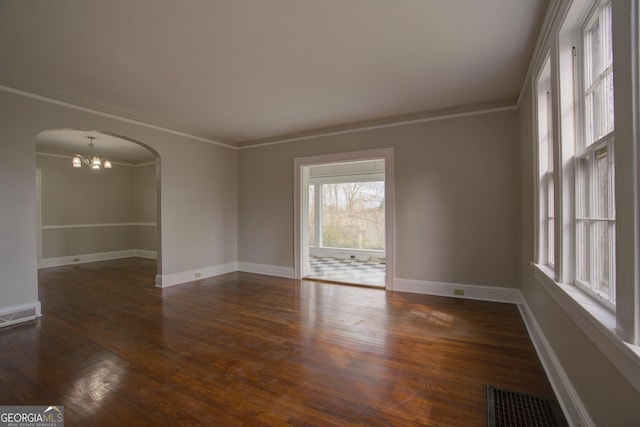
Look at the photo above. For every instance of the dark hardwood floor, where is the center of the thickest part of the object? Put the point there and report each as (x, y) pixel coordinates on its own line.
(245, 349)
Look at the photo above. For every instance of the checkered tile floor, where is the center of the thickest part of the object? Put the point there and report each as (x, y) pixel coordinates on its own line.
(370, 273)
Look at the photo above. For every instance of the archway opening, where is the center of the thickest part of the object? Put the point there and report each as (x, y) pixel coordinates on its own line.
(88, 213)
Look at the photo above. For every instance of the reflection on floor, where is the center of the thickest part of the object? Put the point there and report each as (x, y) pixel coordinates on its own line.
(370, 273)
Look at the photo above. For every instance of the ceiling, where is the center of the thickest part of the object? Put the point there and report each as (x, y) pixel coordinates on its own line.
(247, 71)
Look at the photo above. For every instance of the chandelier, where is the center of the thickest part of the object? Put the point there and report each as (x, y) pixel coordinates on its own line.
(91, 160)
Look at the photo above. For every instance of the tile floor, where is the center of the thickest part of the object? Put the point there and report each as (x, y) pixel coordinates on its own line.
(370, 273)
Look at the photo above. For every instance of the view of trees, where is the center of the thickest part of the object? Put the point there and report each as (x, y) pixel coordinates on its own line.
(352, 215)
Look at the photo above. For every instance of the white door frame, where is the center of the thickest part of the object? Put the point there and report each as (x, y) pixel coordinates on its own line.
(39, 217)
(301, 199)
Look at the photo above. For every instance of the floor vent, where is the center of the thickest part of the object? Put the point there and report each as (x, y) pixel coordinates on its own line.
(512, 409)
(19, 315)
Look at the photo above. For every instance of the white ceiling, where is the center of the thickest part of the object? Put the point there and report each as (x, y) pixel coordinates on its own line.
(241, 71)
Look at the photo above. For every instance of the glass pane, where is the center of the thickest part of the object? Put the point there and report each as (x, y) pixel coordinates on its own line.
(582, 251)
(582, 187)
(602, 257)
(601, 192)
(550, 242)
(598, 114)
(594, 53)
(606, 35)
(589, 117)
(550, 222)
(312, 215)
(608, 103)
(353, 215)
(550, 202)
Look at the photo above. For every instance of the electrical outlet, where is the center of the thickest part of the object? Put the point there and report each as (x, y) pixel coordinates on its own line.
(198, 275)
(76, 260)
(459, 292)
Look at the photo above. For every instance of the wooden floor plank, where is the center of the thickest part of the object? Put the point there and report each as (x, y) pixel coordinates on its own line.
(246, 349)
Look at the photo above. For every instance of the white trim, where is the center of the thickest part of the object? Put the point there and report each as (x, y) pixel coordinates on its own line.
(7, 314)
(321, 134)
(566, 394)
(345, 253)
(109, 115)
(142, 253)
(597, 323)
(548, 24)
(39, 217)
(166, 280)
(268, 270)
(101, 256)
(278, 141)
(473, 292)
(108, 224)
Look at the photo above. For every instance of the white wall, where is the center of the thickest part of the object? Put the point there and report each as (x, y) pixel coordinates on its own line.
(456, 197)
(74, 197)
(198, 195)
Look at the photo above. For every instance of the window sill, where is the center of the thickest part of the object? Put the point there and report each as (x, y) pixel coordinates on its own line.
(596, 321)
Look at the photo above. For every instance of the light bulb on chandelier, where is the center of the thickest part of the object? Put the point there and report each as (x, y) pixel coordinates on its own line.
(94, 161)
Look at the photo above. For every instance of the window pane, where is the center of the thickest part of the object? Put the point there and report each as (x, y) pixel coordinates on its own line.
(353, 215)
(550, 242)
(550, 202)
(582, 251)
(602, 257)
(589, 115)
(596, 120)
(550, 215)
(594, 53)
(608, 104)
(601, 192)
(606, 35)
(582, 187)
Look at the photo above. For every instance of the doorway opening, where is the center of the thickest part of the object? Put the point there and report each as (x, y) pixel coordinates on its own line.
(344, 218)
(88, 213)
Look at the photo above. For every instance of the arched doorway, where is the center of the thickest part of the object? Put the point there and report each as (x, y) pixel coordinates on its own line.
(90, 213)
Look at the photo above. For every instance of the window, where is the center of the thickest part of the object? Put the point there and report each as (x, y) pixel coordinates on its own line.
(350, 215)
(594, 160)
(595, 240)
(546, 181)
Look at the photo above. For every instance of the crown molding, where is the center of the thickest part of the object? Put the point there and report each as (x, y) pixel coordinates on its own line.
(415, 119)
(50, 100)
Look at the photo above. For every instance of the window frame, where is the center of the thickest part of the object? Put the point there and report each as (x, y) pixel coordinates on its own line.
(545, 170)
(586, 146)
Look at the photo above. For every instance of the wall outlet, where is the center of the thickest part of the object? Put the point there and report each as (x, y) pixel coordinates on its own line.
(198, 275)
(76, 260)
(458, 292)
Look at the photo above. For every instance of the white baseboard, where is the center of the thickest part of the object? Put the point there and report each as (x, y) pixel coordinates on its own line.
(19, 313)
(146, 254)
(166, 280)
(455, 290)
(102, 256)
(268, 270)
(572, 406)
